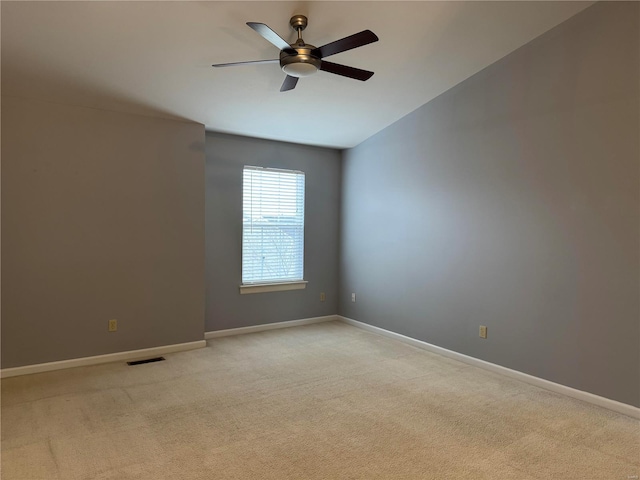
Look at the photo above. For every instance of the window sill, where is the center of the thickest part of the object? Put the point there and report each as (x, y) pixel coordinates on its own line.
(272, 287)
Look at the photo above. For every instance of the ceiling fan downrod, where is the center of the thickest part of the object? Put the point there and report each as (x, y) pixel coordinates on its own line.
(299, 23)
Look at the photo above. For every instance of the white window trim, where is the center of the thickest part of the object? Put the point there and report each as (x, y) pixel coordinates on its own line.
(272, 287)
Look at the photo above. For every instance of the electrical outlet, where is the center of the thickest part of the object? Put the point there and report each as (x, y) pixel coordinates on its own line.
(322, 297)
(113, 325)
(353, 297)
(483, 331)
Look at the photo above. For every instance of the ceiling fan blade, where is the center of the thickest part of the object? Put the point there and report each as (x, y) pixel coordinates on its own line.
(271, 36)
(253, 62)
(345, 71)
(289, 83)
(353, 41)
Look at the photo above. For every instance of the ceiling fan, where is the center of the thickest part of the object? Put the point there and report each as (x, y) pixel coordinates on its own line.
(301, 59)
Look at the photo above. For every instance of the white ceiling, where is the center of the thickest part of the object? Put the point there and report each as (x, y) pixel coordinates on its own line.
(154, 58)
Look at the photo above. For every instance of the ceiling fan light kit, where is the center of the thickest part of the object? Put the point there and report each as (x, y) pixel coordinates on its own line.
(301, 59)
(299, 68)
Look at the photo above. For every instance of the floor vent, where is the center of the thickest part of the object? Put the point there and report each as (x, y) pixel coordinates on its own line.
(148, 360)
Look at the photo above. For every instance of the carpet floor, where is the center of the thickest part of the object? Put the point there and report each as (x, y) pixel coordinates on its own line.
(322, 401)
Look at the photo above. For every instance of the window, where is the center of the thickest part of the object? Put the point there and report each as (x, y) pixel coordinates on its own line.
(272, 230)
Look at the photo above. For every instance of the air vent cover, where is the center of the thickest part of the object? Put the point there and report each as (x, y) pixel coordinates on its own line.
(148, 360)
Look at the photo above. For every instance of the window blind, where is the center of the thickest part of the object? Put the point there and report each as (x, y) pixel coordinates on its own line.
(272, 225)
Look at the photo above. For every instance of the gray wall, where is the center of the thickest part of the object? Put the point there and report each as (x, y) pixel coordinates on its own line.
(512, 201)
(226, 156)
(102, 217)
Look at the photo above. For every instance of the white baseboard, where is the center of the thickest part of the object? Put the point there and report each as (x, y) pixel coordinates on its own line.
(98, 359)
(269, 326)
(619, 407)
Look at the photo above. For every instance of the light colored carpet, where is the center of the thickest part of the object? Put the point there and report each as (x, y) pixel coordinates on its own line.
(324, 401)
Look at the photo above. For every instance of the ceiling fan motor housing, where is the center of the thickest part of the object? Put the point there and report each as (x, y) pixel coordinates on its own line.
(301, 64)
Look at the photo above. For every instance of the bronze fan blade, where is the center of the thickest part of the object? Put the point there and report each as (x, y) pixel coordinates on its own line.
(353, 41)
(345, 71)
(253, 62)
(271, 36)
(289, 83)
